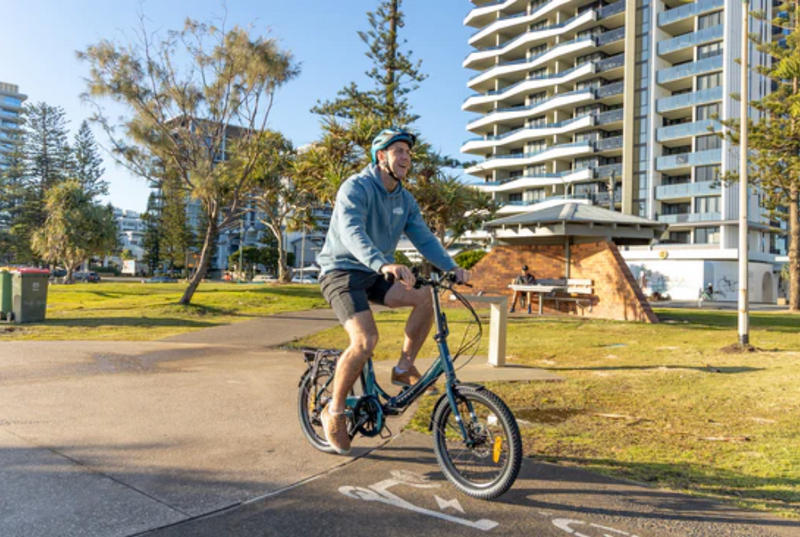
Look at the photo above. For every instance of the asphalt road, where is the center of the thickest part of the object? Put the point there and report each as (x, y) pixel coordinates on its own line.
(398, 490)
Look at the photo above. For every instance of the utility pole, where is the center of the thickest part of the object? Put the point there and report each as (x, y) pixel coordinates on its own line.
(744, 322)
(241, 247)
(611, 185)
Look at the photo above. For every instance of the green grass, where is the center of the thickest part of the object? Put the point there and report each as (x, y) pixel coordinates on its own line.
(660, 404)
(146, 312)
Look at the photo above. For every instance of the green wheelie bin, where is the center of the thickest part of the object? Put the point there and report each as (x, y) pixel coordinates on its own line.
(29, 290)
(6, 303)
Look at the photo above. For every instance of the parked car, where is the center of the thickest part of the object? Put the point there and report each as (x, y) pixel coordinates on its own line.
(307, 278)
(265, 278)
(87, 277)
(58, 273)
(160, 279)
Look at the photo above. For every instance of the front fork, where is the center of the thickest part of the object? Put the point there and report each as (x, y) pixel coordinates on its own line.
(442, 331)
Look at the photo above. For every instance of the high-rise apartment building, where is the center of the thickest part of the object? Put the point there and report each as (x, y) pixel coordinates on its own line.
(10, 108)
(616, 103)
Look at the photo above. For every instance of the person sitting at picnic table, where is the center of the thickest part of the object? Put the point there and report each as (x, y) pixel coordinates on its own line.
(525, 278)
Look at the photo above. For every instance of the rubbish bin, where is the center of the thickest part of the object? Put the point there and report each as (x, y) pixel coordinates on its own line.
(29, 290)
(5, 294)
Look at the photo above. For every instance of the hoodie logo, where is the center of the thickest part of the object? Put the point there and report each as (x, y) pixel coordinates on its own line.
(398, 210)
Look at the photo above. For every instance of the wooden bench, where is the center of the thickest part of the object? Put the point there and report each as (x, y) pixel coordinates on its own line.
(572, 290)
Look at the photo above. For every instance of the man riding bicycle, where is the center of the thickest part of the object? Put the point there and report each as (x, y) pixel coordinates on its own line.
(357, 263)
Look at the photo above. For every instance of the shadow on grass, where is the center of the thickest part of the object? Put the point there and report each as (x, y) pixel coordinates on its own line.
(714, 369)
(779, 492)
(729, 320)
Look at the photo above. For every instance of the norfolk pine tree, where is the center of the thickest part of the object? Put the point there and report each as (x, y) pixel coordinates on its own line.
(774, 138)
(197, 101)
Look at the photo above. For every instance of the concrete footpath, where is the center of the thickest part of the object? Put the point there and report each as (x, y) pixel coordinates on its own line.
(117, 438)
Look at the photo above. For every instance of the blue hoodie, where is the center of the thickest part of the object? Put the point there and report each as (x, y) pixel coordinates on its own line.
(367, 223)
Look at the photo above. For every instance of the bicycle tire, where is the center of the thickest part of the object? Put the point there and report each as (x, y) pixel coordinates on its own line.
(509, 461)
(308, 414)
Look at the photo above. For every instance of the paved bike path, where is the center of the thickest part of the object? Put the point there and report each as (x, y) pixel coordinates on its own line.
(399, 490)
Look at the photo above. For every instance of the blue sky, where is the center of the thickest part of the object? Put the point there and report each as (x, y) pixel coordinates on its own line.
(38, 40)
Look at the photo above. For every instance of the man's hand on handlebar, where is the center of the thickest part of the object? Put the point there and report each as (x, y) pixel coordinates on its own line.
(462, 275)
(400, 273)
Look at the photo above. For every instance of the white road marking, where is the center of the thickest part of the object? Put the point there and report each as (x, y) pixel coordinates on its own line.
(379, 492)
(565, 523)
(453, 504)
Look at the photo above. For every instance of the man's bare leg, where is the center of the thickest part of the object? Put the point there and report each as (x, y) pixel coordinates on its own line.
(363, 339)
(419, 322)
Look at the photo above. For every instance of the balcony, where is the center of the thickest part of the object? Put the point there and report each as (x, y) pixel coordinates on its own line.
(689, 10)
(532, 129)
(608, 144)
(605, 172)
(614, 62)
(610, 37)
(689, 99)
(687, 218)
(684, 160)
(692, 39)
(520, 159)
(689, 69)
(602, 198)
(611, 10)
(687, 129)
(609, 90)
(604, 118)
(687, 190)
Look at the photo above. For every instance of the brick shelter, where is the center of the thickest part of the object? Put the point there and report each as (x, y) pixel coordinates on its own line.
(571, 240)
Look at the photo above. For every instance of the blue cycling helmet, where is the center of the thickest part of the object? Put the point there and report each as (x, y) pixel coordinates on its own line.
(389, 136)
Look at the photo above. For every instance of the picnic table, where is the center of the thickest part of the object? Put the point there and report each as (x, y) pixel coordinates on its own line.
(558, 291)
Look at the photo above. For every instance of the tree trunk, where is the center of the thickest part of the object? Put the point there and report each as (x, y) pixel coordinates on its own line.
(794, 250)
(205, 259)
(284, 276)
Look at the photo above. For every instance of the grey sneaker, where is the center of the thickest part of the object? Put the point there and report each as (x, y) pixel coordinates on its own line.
(335, 427)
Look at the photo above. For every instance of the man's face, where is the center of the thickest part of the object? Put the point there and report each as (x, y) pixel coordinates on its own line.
(397, 157)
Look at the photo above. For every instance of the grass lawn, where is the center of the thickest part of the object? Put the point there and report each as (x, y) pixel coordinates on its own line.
(660, 404)
(146, 312)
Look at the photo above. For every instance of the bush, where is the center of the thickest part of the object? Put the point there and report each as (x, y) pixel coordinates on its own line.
(105, 270)
(470, 258)
(402, 259)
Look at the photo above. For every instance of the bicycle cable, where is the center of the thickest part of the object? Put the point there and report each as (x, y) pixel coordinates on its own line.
(472, 343)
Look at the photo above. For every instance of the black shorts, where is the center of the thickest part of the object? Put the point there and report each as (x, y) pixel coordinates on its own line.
(350, 291)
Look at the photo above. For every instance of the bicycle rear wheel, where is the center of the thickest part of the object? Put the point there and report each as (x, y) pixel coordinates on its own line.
(315, 392)
(488, 462)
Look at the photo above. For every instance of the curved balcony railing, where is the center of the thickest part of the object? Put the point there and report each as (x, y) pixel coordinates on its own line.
(531, 128)
(512, 17)
(558, 175)
(524, 107)
(507, 89)
(585, 143)
(689, 69)
(689, 99)
(609, 90)
(527, 34)
(692, 39)
(532, 58)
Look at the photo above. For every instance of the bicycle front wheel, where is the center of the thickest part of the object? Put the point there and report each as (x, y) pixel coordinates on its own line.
(486, 463)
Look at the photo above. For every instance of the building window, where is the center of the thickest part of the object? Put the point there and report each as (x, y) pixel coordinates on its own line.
(710, 20)
(713, 80)
(539, 121)
(707, 205)
(539, 169)
(537, 97)
(538, 73)
(707, 111)
(707, 142)
(704, 174)
(679, 237)
(709, 51)
(515, 197)
(706, 235)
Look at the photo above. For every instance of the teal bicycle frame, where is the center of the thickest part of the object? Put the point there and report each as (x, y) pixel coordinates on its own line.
(394, 405)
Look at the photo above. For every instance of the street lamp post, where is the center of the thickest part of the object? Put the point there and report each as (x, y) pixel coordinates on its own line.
(241, 247)
(744, 329)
